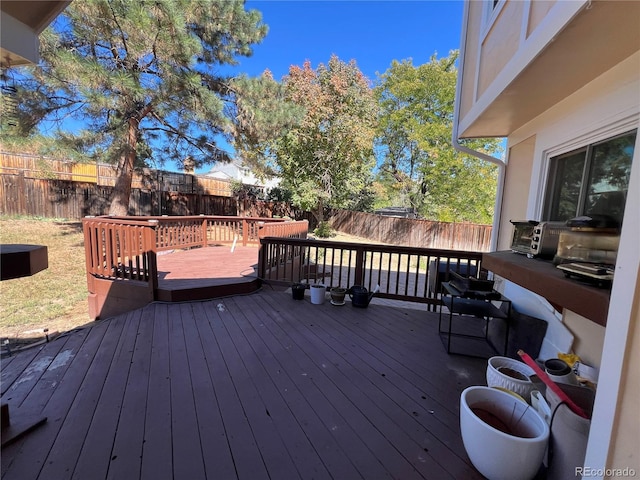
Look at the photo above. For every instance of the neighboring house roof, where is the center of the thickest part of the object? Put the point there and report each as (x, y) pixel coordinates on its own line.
(22, 22)
(238, 171)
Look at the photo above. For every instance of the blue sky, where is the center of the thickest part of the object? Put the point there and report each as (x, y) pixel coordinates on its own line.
(373, 33)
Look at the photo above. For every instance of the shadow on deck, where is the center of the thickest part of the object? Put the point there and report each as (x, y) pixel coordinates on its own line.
(246, 387)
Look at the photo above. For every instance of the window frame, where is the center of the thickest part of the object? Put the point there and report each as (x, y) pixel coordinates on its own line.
(551, 181)
(491, 11)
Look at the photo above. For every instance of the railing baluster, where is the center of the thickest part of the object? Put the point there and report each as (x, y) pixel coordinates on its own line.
(358, 275)
(398, 269)
(416, 282)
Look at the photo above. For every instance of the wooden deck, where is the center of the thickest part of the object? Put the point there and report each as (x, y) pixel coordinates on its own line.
(204, 273)
(249, 387)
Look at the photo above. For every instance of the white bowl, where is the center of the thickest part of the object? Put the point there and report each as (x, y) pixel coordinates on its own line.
(496, 378)
(511, 453)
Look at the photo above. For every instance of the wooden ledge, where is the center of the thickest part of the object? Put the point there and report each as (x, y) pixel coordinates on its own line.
(22, 260)
(542, 277)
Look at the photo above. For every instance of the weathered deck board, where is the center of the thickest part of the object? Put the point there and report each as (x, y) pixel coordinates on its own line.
(377, 374)
(68, 443)
(157, 449)
(247, 387)
(218, 459)
(323, 371)
(385, 361)
(95, 456)
(13, 366)
(275, 358)
(54, 402)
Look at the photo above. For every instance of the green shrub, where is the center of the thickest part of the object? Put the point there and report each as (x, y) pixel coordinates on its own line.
(323, 230)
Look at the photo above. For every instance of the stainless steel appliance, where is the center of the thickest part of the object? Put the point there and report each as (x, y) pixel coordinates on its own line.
(537, 239)
(595, 246)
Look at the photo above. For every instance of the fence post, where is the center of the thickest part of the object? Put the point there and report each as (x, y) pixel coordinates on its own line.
(22, 200)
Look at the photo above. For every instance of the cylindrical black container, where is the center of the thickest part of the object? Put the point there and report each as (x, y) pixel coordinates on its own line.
(297, 291)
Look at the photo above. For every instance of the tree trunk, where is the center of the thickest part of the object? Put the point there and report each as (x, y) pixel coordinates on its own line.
(318, 212)
(122, 190)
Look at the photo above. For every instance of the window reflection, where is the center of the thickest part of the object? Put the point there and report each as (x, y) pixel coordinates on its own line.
(591, 181)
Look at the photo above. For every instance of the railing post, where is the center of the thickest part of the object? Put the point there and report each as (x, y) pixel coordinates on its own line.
(245, 232)
(153, 259)
(90, 250)
(205, 242)
(359, 273)
(261, 260)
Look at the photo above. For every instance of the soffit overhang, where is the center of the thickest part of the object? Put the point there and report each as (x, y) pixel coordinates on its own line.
(22, 22)
(597, 39)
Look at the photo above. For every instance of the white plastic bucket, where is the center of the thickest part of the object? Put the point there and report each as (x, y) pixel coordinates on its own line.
(318, 292)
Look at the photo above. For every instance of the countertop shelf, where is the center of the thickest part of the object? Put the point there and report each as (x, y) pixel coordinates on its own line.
(545, 279)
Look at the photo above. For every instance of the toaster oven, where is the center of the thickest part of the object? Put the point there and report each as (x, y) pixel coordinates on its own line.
(537, 239)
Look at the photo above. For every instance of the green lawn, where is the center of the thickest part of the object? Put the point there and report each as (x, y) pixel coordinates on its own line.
(55, 298)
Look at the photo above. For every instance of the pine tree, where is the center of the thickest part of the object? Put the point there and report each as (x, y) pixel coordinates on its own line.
(140, 78)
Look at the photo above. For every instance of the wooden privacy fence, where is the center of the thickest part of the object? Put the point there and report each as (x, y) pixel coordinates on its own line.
(103, 174)
(403, 273)
(413, 232)
(49, 198)
(37, 186)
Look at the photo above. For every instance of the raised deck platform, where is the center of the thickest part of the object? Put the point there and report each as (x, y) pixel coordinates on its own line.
(204, 273)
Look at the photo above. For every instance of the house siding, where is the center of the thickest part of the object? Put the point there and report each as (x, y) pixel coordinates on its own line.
(500, 44)
(472, 49)
(554, 76)
(607, 106)
(516, 189)
(626, 434)
(537, 12)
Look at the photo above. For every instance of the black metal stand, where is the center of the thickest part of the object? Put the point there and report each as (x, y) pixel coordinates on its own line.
(474, 313)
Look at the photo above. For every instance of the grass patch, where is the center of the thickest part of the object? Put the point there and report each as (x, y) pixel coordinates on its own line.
(55, 298)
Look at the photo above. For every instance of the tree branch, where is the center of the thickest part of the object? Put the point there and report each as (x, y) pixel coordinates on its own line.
(122, 36)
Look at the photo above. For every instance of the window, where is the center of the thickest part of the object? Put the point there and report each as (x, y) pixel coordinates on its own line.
(491, 10)
(591, 181)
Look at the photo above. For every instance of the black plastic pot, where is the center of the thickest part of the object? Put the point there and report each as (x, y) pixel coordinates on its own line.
(297, 291)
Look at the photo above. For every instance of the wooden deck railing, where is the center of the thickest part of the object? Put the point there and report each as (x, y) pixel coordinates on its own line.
(121, 261)
(124, 248)
(204, 230)
(285, 229)
(403, 273)
(120, 250)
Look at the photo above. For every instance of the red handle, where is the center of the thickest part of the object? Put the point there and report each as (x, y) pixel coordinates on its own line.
(552, 385)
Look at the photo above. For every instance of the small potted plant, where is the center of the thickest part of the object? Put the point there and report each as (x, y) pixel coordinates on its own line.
(337, 295)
